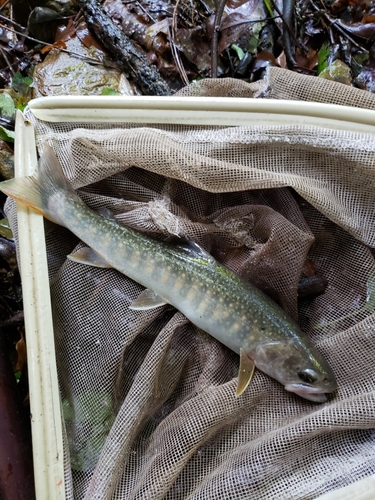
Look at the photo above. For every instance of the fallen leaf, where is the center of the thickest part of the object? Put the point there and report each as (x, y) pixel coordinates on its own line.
(21, 351)
(21, 83)
(263, 60)
(358, 29)
(5, 147)
(231, 35)
(87, 39)
(195, 47)
(240, 53)
(232, 20)
(6, 135)
(323, 55)
(281, 60)
(65, 33)
(7, 107)
(234, 4)
(108, 91)
(5, 229)
(309, 60)
(57, 45)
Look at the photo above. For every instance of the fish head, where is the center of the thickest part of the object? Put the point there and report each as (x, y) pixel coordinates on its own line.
(301, 369)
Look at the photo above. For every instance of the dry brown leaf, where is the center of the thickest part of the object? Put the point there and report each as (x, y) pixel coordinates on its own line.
(65, 33)
(57, 45)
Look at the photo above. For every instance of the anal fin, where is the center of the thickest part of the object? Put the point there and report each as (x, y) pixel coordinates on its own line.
(88, 256)
(148, 299)
(245, 373)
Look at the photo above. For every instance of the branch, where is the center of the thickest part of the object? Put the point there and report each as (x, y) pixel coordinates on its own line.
(123, 50)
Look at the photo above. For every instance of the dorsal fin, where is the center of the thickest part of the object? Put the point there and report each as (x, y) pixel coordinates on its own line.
(189, 247)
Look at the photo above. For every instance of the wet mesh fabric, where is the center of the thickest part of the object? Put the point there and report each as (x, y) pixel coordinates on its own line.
(149, 400)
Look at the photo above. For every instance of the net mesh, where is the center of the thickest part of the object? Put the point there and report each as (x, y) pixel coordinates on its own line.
(148, 399)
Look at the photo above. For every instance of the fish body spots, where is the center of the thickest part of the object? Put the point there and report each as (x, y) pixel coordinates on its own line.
(211, 296)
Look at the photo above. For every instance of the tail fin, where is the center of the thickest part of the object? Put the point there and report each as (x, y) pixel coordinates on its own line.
(37, 191)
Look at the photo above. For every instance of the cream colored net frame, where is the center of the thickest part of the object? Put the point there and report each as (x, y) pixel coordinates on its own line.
(225, 111)
(44, 394)
(43, 386)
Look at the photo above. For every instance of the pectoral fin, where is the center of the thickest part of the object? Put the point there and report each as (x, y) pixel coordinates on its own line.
(245, 373)
(147, 300)
(88, 256)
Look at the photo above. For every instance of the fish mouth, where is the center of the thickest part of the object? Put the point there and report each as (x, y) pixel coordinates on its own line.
(314, 394)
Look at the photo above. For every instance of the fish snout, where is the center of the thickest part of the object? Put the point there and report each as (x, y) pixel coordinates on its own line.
(316, 394)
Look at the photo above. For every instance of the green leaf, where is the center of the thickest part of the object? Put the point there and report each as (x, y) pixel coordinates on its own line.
(108, 91)
(268, 5)
(253, 42)
(361, 57)
(323, 54)
(7, 106)
(240, 53)
(5, 230)
(6, 135)
(21, 83)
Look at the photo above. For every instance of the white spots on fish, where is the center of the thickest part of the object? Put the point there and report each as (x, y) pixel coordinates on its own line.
(138, 257)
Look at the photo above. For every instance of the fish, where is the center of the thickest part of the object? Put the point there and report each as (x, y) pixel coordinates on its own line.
(183, 274)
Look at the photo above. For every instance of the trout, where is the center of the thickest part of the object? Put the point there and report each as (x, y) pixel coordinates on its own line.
(183, 274)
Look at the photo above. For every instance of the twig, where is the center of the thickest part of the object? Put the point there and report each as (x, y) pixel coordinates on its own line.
(128, 55)
(71, 53)
(288, 11)
(6, 19)
(250, 21)
(333, 23)
(145, 11)
(3, 53)
(215, 37)
(4, 5)
(175, 52)
(288, 33)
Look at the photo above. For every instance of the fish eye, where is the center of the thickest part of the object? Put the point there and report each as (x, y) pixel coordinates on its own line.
(307, 375)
